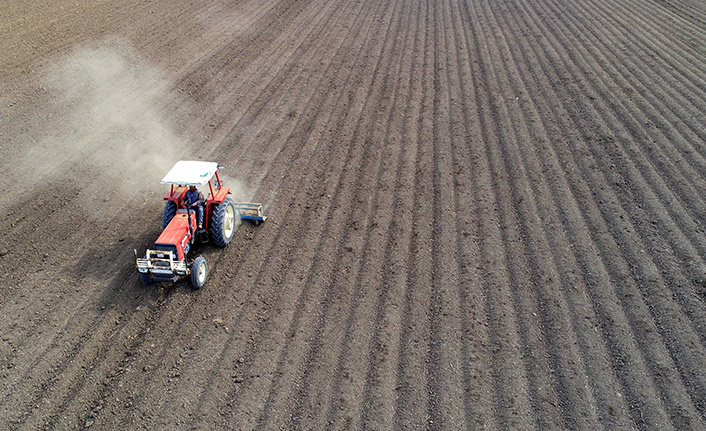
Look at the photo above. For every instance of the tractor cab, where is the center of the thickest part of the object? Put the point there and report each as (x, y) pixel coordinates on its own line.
(168, 259)
(204, 176)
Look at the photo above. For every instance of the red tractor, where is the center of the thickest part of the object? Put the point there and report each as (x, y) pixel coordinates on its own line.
(169, 259)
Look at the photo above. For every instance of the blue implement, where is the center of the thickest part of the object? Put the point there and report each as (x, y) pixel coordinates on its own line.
(250, 211)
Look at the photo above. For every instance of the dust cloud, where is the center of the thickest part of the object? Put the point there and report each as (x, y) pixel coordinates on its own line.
(113, 127)
(240, 192)
(109, 134)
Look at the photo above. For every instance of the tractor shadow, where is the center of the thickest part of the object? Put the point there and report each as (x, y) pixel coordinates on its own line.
(111, 269)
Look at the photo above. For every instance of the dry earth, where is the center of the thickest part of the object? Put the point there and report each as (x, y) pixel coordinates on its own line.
(483, 214)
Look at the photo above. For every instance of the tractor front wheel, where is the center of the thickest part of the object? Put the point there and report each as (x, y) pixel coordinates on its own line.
(223, 222)
(145, 278)
(170, 210)
(199, 272)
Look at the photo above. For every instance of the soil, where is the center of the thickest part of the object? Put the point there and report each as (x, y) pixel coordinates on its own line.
(482, 214)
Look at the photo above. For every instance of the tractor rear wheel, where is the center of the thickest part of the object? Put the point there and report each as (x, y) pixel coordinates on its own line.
(223, 222)
(170, 210)
(199, 272)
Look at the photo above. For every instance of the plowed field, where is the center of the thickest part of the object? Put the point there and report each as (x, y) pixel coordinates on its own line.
(482, 214)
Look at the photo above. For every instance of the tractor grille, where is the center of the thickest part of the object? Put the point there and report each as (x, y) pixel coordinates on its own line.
(161, 263)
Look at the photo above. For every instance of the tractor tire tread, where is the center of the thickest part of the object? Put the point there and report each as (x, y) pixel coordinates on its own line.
(217, 221)
(170, 210)
(195, 283)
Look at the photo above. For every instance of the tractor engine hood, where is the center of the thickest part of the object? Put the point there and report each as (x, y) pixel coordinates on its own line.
(178, 234)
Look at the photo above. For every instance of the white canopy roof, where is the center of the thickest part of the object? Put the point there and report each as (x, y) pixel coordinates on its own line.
(190, 173)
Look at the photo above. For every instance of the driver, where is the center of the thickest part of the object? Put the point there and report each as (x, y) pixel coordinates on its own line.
(194, 199)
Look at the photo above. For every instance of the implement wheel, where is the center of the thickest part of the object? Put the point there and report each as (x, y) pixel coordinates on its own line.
(199, 272)
(223, 222)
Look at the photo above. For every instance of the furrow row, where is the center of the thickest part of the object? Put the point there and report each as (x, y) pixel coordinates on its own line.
(312, 297)
(609, 240)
